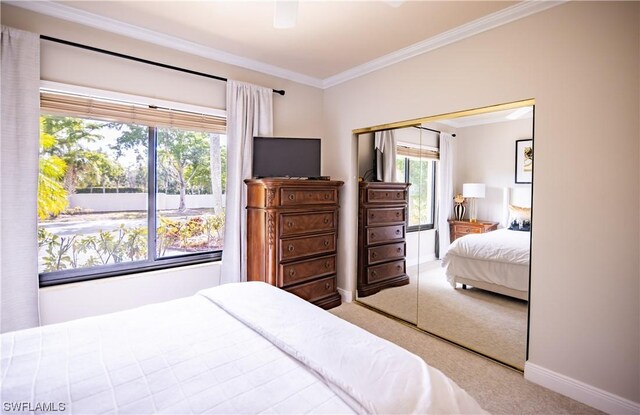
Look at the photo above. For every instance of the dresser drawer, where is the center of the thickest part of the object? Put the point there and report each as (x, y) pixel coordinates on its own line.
(315, 290)
(384, 234)
(465, 229)
(384, 253)
(307, 246)
(385, 271)
(320, 196)
(296, 272)
(300, 223)
(386, 196)
(381, 216)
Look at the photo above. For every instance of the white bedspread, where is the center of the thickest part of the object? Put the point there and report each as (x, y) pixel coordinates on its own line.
(502, 245)
(268, 352)
(500, 257)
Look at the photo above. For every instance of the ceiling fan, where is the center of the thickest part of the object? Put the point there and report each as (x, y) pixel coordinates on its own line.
(286, 12)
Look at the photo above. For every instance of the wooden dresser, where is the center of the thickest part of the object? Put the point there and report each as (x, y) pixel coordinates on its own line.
(382, 226)
(458, 228)
(292, 233)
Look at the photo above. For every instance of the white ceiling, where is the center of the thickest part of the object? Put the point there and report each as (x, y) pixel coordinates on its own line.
(333, 41)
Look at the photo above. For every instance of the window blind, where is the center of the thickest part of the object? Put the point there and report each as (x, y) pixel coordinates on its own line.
(408, 151)
(52, 103)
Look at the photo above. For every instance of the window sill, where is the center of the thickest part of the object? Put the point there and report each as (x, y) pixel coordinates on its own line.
(418, 228)
(86, 274)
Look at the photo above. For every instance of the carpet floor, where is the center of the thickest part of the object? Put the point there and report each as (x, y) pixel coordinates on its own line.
(498, 389)
(489, 323)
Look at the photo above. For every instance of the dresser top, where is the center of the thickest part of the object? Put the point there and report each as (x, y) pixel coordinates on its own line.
(385, 185)
(283, 181)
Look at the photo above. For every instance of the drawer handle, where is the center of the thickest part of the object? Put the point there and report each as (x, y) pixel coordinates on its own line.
(373, 273)
(327, 264)
(373, 215)
(386, 194)
(290, 224)
(291, 197)
(326, 220)
(398, 267)
(326, 242)
(397, 231)
(292, 272)
(398, 214)
(399, 195)
(373, 235)
(327, 196)
(291, 248)
(373, 255)
(327, 285)
(399, 249)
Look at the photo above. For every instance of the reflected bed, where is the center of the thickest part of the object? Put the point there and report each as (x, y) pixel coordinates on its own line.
(496, 261)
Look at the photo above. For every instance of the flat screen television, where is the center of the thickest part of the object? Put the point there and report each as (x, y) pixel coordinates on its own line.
(286, 157)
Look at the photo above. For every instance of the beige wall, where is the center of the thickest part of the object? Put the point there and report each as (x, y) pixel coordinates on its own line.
(486, 154)
(298, 113)
(580, 61)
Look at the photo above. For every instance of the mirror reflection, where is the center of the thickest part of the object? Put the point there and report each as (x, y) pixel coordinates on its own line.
(466, 231)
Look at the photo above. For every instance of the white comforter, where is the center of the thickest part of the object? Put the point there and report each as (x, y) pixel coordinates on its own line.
(238, 348)
(502, 245)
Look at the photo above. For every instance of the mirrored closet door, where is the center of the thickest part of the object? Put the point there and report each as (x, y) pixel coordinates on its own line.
(467, 272)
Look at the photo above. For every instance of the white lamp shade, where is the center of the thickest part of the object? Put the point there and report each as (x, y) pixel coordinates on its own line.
(475, 190)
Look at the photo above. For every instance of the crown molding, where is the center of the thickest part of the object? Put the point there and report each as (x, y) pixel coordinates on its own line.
(85, 18)
(491, 21)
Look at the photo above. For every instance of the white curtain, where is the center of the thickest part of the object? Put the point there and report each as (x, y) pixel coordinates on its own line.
(249, 114)
(445, 192)
(386, 150)
(19, 143)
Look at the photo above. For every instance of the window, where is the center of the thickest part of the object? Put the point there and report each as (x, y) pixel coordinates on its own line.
(421, 173)
(125, 187)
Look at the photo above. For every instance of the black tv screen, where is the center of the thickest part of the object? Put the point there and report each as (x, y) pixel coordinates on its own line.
(286, 157)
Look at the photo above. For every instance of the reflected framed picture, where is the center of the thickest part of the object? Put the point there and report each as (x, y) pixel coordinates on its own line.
(524, 161)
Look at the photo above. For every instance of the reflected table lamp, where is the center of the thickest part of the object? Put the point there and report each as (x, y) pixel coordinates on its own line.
(473, 191)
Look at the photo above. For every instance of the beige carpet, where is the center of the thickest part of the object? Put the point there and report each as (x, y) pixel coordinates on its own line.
(489, 323)
(401, 302)
(497, 389)
(492, 324)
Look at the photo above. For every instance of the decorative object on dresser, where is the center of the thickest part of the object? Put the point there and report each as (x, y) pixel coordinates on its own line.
(459, 228)
(459, 209)
(382, 224)
(473, 191)
(292, 232)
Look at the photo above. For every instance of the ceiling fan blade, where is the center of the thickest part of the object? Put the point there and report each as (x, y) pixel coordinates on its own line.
(285, 14)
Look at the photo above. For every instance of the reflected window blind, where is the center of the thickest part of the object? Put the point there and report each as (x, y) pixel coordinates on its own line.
(115, 111)
(408, 151)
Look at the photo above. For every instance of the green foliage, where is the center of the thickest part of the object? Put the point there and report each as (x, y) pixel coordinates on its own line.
(193, 233)
(52, 197)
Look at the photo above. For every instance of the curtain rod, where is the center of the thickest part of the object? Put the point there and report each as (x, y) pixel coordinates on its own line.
(430, 129)
(133, 58)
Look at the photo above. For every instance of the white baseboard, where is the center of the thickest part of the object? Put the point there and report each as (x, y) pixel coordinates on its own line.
(347, 296)
(580, 391)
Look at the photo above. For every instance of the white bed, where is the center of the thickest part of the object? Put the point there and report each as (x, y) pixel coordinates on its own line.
(495, 261)
(237, 348)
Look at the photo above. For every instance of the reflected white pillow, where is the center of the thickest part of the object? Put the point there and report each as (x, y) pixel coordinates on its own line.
(519, 218)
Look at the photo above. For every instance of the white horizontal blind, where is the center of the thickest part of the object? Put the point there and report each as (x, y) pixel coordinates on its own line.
(408, 151)
(52, 103)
